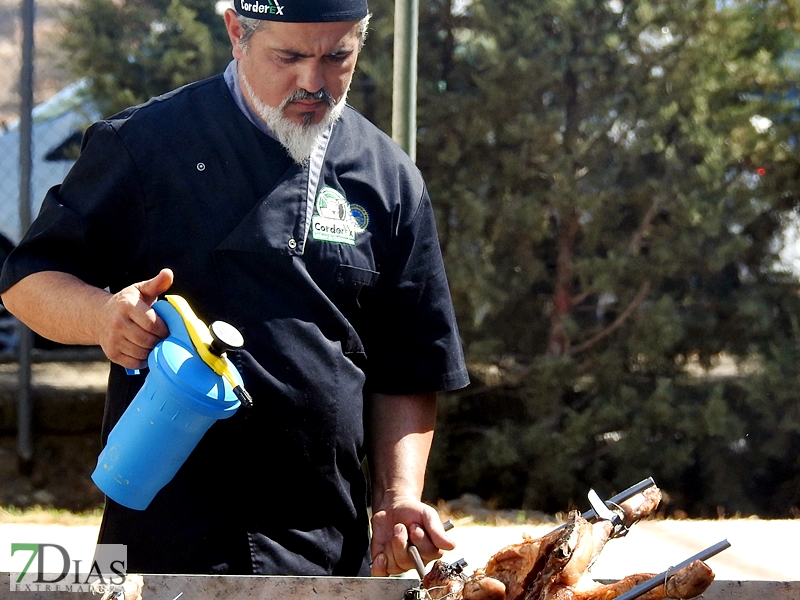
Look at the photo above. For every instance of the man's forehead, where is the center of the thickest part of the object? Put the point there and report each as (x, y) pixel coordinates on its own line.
(311, 38)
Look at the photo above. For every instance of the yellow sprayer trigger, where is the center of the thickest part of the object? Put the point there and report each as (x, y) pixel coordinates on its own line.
(201, 338)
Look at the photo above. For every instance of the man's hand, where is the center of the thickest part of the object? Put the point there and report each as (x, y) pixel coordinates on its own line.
(401, 431)
(62, 308)
(130, 328)
(392, 529)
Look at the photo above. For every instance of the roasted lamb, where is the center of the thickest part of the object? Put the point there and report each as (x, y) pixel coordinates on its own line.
(555, 566)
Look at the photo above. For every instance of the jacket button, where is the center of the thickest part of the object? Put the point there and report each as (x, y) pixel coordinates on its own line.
(292, 243)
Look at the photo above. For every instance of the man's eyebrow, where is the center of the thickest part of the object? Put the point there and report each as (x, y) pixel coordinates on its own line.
(341, 50)
(344, 49)
(293, 53)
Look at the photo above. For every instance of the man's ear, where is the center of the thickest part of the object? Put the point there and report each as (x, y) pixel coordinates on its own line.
(234, 32)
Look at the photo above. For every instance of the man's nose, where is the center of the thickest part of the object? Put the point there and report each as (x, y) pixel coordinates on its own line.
(311, 77)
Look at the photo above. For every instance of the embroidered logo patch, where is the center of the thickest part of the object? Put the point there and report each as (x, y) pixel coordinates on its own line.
(333, 221)
(360, 217)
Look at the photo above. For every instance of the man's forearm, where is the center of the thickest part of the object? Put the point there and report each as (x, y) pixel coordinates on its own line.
(401, 433)
(64, 309)
(57, 306)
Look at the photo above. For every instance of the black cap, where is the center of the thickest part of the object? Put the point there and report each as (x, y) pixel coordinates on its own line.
(303, 11)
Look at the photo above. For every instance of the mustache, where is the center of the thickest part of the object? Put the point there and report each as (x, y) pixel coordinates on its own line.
(302, 94)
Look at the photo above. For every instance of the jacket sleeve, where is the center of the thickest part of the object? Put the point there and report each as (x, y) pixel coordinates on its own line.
(73, 232)
(413, 344)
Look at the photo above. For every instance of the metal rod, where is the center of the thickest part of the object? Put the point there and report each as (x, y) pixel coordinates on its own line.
(24, 395)
(590, 514)
(24, 401)
(26, 115)
(404, 83)
(419, 566)
(660, 579)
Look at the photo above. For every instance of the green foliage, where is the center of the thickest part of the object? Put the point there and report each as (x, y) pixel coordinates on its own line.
(594, 167)
(134, 50)
(608, 232)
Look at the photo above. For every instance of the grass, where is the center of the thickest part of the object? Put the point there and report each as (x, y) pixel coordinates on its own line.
(43, 515)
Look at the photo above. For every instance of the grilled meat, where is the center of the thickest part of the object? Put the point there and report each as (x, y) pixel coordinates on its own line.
(555, 566)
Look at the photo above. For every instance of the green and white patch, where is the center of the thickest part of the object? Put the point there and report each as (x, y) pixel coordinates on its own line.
(333, 221)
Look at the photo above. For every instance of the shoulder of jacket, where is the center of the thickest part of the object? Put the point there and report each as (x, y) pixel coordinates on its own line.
(363, 133)
(175, 100)
(357, 123)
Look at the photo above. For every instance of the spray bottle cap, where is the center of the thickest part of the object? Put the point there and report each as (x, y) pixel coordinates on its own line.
(212, 343)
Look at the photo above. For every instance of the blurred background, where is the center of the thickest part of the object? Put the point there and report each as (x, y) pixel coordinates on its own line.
(617, 187)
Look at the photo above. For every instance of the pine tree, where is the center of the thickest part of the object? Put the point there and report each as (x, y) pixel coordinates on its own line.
(611, 180)
(134, 50)
(609, 215)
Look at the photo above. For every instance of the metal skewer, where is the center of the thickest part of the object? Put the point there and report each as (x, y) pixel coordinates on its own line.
(661, 578)
(591, 515)
(419, 566)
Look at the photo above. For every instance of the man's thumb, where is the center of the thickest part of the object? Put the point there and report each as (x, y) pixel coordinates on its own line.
(153, 288)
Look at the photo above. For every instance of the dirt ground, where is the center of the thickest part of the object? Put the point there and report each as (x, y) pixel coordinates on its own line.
(60, 475)
(68, 405)
(60, 478)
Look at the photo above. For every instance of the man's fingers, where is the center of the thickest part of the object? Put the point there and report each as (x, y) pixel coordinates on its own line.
(135, 350)
(128, 362)
(393, 531)
(430, 539)
(150, 328)
(399, 559)
(153, 288)
(131, 328)
(427, 549)
(126, 353)
(379, 566)
(390, 552)
(145, 317)
(381, 536)
(381, 532)
(136, 331)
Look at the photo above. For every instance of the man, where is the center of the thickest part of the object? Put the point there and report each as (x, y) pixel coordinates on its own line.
(265, 201)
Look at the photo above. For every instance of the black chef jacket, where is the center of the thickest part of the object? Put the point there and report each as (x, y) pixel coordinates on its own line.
(332, 272)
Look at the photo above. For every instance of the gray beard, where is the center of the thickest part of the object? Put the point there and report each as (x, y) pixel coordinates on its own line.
(299, 140)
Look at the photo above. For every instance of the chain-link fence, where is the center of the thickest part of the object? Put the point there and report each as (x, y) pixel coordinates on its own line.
(34, 75)
(41, 124)
(56, 119)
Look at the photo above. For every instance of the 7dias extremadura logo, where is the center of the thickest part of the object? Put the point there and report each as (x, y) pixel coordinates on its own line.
(39, 567)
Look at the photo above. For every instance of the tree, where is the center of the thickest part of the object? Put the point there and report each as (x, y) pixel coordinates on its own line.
(611, 180)
(605, 226)
(133, 50)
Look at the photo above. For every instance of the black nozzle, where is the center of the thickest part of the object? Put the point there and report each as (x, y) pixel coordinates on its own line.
(244, 397)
